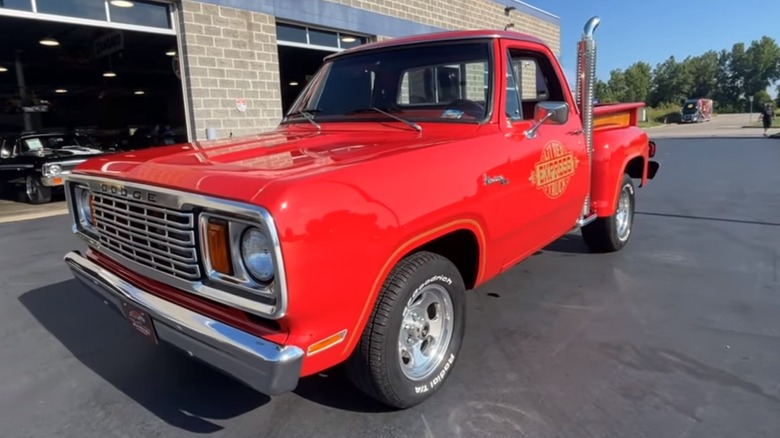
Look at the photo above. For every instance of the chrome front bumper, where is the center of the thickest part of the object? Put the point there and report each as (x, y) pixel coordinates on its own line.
(262, 365)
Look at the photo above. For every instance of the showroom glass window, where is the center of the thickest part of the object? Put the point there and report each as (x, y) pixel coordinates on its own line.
(20, 5)
(142, 14)
(92, 9)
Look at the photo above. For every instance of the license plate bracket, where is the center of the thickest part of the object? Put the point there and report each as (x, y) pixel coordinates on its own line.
(141, 321)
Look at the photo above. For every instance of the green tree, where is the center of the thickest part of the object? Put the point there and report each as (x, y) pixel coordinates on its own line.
(603, 93)
(762, 65)
(671, 83)
(637, 80)
(703, 70)
(618, 88)
(760, 98)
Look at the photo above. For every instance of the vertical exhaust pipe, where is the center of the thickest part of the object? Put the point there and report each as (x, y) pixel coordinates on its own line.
(586, 90)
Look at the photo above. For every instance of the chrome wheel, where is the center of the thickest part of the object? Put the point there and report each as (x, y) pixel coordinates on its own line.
(32, 189)
(623, 214)
(426, 331)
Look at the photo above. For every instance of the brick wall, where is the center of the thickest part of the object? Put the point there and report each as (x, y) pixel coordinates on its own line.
(462, 14)
(230, 54)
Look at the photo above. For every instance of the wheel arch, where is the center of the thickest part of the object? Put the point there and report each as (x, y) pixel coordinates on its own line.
(442, 240)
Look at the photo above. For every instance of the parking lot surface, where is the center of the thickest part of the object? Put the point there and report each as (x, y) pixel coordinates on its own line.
(678, 335)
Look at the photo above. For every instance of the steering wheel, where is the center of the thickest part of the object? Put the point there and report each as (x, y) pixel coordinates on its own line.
(469, 107)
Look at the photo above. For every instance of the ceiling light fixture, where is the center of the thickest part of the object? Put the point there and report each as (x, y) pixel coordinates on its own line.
(122, 3)
(293, 84)
(139, 92)
(171, 53)
(60, 90)
(51, 42)
(109, 74)
(348, 39)
(3, 69)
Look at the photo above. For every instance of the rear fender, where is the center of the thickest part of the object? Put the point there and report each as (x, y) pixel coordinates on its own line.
(616, 152)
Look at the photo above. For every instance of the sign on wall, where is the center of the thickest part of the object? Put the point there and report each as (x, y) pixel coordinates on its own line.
(110, 43)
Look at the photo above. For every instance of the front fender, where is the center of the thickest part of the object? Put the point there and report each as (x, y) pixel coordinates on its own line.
(614, 152)
(339, 243)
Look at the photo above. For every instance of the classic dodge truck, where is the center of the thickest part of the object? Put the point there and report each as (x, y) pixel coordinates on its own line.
(406, 173)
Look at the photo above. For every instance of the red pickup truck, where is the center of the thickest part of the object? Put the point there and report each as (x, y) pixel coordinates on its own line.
(406, 173)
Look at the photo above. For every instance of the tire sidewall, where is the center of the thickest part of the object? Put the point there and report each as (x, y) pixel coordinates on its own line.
(443, 273)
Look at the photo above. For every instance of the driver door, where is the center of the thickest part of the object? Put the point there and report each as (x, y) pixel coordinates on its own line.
(549, 160)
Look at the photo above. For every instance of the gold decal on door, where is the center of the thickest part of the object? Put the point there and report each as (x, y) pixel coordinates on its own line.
(554, 169)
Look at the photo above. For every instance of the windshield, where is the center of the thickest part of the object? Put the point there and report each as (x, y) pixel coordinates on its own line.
(435, 83)
(690, 107)
(52, 142)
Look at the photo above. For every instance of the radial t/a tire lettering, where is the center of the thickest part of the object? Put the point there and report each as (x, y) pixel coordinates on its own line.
(612, 233)
(413, 336)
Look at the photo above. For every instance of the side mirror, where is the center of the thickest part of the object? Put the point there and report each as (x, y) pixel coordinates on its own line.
(4, 153)
(548, 112)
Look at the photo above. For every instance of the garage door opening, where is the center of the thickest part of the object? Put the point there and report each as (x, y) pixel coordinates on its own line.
(121, 87)
(296, 67)
(301, 51)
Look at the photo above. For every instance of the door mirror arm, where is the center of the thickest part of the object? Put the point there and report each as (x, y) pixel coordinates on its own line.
(554, 112)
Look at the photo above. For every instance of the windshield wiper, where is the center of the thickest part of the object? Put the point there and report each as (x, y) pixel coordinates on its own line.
(400, 119)
(308, 115)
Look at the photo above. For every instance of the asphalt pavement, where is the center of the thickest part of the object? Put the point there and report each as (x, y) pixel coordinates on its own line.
(678, 335)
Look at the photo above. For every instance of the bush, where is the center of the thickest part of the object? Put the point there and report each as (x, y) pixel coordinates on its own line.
(668, 113)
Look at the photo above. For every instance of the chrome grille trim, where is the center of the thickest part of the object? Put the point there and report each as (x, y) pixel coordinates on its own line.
(160, 238)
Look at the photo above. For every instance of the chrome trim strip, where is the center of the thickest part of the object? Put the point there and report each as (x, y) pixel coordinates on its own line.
(240, 278)
(263, 365)
(186, 201)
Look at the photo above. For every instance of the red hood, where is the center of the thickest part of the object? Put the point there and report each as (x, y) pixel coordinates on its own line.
(240, 168)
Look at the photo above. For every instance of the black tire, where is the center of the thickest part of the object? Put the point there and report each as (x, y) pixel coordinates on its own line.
(604, 234)
(375, 365)
(34, 192)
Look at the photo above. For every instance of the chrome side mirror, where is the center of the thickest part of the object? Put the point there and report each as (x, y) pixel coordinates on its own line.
(548, 112)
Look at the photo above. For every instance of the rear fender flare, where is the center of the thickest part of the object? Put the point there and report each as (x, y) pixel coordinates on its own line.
(611, 161)
(609, 203)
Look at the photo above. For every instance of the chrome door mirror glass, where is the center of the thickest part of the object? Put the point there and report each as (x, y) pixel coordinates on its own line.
(548, 112)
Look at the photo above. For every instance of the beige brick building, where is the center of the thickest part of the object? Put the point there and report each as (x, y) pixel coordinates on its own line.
(243, 61)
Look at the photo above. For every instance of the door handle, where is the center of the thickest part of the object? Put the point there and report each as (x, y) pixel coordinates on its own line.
(576, 132)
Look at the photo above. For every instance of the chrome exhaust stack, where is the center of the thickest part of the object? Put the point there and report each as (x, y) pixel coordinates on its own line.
(586, 91)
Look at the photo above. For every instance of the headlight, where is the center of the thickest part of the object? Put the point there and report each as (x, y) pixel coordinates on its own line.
(257, 255)
(52, 170)
(84, 206)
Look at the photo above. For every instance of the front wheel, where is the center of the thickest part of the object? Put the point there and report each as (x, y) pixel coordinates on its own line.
(612, 233)
(413, 336)
(34, 192)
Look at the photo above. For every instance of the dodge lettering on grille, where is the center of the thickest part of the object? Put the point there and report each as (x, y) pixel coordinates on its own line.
(135, 194)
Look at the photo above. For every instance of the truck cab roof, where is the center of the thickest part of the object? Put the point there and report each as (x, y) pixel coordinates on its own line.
(451, 35)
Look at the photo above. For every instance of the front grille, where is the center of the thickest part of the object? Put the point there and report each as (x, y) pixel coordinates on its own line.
(160, 238)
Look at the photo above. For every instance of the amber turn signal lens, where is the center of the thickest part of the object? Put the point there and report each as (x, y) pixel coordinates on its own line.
(92, 208)
(327, 342)
(219, 247)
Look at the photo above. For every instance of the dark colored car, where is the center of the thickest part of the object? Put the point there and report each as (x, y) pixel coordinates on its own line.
(32, 164)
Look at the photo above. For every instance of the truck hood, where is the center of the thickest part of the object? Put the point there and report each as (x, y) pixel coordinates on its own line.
(240, 168)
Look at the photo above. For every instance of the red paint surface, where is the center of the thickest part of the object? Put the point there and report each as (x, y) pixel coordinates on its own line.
(353, 199)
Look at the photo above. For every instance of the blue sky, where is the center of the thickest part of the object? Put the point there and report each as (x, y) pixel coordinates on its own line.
(633, 30)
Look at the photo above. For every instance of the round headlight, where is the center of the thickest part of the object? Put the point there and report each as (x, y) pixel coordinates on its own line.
(256, 253)
(84, 202)
(54, 169)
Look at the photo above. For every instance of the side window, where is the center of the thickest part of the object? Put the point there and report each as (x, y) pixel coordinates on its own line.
(535, 79)
(513, 108)
(438, 84)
